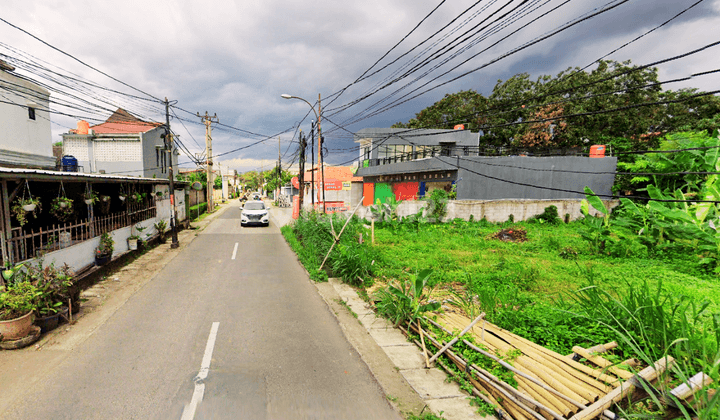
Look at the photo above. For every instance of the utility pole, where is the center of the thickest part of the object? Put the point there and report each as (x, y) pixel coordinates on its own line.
(279, 173)
(301, 173)
(208, 120)
(312, 163)
(320, 161)
(169, 147)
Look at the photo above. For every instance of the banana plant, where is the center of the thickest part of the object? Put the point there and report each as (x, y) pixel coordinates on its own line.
(406, 301)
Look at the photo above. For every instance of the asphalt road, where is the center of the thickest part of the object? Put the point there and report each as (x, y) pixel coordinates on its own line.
(229, 329)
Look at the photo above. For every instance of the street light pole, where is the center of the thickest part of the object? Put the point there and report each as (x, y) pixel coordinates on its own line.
(319, 130)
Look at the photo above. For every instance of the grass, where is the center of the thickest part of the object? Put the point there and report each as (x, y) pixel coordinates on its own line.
(556, 290)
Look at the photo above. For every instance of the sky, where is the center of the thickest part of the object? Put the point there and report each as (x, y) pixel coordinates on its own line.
(235, 59)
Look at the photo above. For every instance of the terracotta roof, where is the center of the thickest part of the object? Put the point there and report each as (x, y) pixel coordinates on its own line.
(122, 122)
(338, 173)
(124, 127)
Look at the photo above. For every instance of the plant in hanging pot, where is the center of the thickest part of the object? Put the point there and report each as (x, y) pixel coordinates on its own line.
(138, 197)
(17, 304)
(62, 208)
(22, 206)
(90, 197)
(103, 252)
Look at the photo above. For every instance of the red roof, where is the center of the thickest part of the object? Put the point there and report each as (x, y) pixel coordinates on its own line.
(124, 127)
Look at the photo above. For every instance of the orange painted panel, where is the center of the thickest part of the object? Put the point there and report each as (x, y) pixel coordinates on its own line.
(368, 194)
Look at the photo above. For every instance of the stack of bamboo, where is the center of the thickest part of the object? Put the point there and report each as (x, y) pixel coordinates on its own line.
(550, 385)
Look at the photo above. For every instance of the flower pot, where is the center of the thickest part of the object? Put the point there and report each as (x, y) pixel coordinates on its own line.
(16, 328)
(64, 313)
(102, 259)
(132, 244)
(62, 204)
(75, 300)
(48, 322)
(122, 198)
(29, 207)
(88, 202)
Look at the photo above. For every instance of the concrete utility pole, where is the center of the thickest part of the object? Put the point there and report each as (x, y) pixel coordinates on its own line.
(320, 160)
(279, 172)
(208, 120)
(301, 173)
(169, 147)
(312, 165)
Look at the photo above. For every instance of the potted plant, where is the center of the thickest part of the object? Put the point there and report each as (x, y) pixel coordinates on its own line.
(133, 239)
(53, 290)
(90, 197)
(62, 208)
(17, 304)
(22, 206)
(161, 227)
(103, 252)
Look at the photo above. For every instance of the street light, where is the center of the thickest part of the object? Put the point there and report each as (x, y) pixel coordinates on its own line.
(317, 117)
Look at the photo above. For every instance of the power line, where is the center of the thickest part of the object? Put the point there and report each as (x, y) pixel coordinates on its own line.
(78, 60)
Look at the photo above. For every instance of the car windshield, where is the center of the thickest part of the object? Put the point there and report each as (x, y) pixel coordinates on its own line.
(255, 206)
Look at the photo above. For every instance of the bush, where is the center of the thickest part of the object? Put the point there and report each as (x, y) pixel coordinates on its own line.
(197, 210)
(550, 215)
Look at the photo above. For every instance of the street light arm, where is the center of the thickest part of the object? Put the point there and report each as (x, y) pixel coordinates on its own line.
(286, 96)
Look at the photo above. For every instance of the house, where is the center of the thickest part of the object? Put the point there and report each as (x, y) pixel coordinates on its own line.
(410, 163)
(342, 189)
(122, 145)
(25, 135)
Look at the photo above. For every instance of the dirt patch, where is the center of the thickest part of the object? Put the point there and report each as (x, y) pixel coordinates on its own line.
(511, 235)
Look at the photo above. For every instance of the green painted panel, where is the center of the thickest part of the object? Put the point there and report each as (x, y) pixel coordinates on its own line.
(383, 191)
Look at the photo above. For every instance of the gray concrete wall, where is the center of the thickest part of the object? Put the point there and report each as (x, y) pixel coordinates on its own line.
(533, 178)
(150, 141)
(495, 210)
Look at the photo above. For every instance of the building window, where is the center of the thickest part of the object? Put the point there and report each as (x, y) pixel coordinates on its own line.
(31, 113)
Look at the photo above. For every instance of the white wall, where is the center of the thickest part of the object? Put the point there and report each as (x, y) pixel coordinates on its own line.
(19, 133)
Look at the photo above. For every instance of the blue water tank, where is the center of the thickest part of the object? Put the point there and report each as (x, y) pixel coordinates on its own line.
(69, 164)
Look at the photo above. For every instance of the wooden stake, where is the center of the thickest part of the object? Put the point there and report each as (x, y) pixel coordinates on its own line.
(422, 340)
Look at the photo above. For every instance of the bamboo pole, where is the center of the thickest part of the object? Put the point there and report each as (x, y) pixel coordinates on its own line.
(603, 363)
(650, 373)
(525, 376)
(508, 391)
(422, 341)
(454, 340)
(567, 387)
(337, 238)
(694, 384)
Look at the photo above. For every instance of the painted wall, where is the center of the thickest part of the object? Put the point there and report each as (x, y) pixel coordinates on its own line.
(383, 191)
(406, 190)
(495, 210)
(24, 141)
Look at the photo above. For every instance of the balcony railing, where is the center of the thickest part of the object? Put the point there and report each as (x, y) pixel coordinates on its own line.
(463, 151)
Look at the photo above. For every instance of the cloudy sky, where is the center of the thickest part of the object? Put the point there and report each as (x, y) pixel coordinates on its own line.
(235, 59)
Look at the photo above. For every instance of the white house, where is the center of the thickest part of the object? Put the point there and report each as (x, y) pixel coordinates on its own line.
(25, 135)
(122, 145)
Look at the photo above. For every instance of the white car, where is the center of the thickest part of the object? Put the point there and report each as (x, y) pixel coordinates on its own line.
(254, 213)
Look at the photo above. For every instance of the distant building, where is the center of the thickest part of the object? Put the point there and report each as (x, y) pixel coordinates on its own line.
(409, 164)
(122, 145)
(25, 135)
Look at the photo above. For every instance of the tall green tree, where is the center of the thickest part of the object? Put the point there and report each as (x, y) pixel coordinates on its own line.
(457, 108)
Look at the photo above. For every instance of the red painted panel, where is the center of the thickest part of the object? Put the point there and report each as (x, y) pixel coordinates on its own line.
(406, 190)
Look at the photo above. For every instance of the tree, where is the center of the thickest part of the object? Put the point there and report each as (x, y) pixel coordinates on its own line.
(272, 182)
(456, 108)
